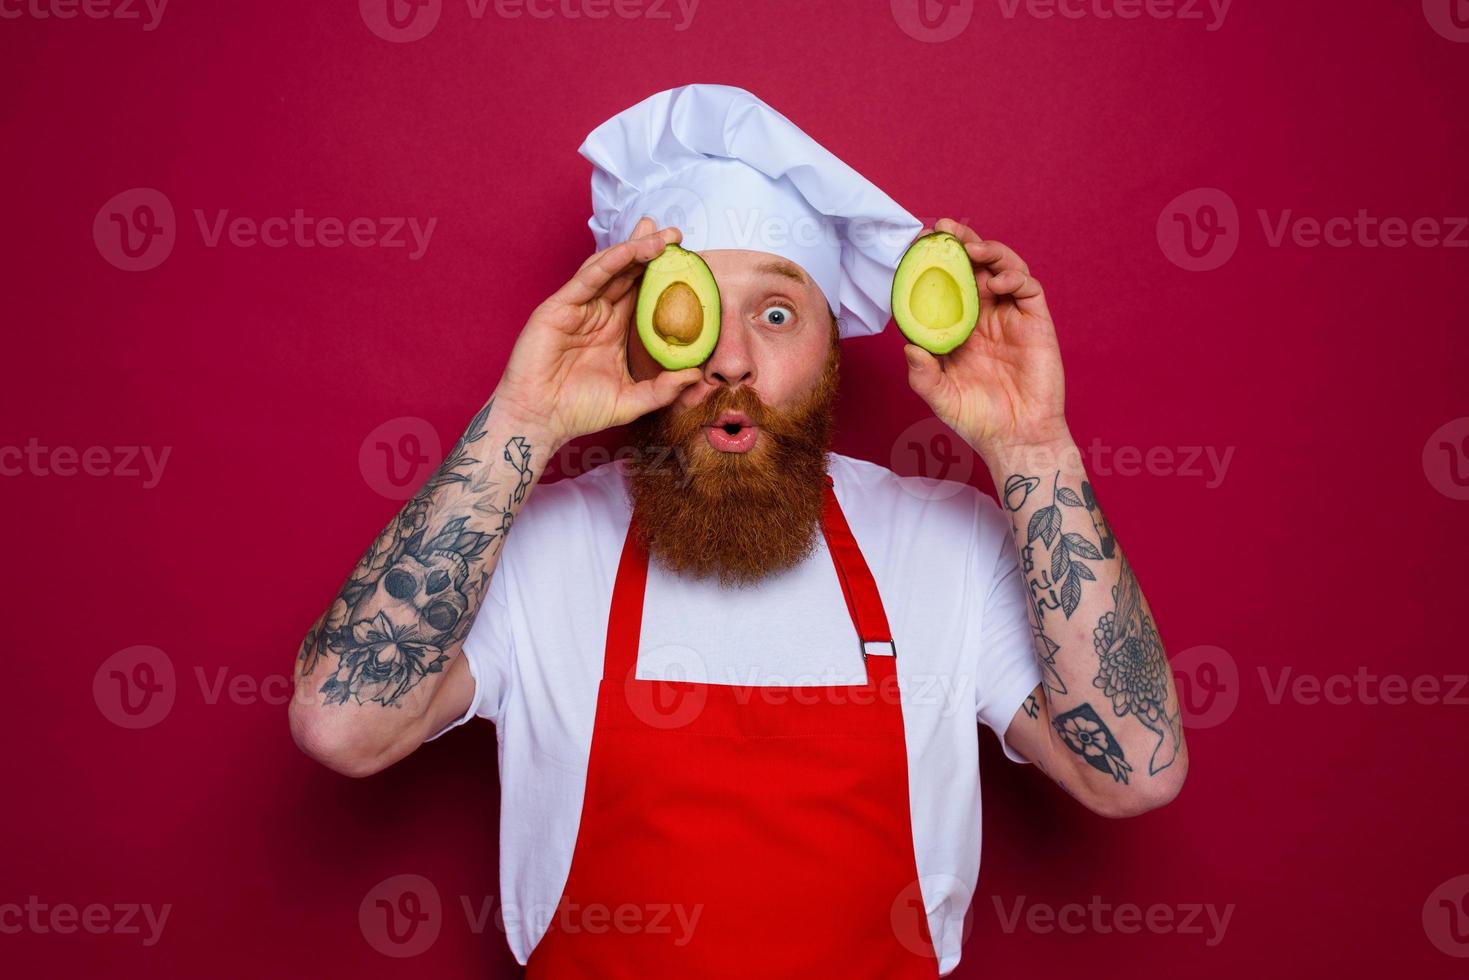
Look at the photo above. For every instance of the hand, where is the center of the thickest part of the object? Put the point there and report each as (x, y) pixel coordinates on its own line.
(1003, 387)
(568, 370)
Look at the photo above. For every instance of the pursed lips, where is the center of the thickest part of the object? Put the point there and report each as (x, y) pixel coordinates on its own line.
(732, 432)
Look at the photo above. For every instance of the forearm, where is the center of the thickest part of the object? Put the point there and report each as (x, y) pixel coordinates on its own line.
(1108, 687)
(371, 666)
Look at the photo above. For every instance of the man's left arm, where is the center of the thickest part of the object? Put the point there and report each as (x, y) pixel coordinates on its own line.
(1104, 723)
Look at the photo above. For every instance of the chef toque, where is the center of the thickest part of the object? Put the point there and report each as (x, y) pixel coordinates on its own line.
(730, 172)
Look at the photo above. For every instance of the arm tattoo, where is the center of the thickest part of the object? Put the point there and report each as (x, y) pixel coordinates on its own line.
(1032, 706)
(1086, 735)
(1069, 551)
(1133, 670)
(408, 599)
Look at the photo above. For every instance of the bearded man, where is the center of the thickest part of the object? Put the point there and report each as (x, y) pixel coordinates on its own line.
(735, 676)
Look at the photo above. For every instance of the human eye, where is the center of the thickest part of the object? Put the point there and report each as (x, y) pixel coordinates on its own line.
(777, 315)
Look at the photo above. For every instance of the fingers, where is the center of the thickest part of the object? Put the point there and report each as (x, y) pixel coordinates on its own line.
(924, 371)
(995, 256)
(643, 397)
(601, 269)
(1024, 289)
(960, 231)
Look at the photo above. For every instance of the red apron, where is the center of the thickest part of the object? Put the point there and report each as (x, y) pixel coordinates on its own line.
(737, 832)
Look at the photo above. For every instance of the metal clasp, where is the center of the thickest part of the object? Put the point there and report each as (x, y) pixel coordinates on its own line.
(878, 648)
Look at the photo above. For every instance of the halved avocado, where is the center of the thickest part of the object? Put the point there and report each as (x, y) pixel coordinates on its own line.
(935, 297)
(678, 309)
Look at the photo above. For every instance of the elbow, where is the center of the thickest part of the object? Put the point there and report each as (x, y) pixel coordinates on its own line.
(334, 744)
(1139, 797)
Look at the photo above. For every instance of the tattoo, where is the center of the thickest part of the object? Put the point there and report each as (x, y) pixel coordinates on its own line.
(1086, 735)
(1099, 521)
(1133, 669)
(1067, 550)
(1032, 706)
(409, 597)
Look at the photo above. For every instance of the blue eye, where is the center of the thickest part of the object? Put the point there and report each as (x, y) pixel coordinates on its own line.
(777, 316)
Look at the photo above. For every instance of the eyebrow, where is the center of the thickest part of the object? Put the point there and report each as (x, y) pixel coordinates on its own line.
(779, 268)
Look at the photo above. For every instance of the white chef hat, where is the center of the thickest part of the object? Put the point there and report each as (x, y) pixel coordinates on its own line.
(731, 172)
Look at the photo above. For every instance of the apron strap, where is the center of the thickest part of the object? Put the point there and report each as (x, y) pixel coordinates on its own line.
(859, 589)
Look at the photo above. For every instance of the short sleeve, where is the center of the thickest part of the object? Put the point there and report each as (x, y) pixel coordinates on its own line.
(489, 647)
(1003, 647)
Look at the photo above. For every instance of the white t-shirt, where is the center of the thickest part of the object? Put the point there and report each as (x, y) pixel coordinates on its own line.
(947, 571)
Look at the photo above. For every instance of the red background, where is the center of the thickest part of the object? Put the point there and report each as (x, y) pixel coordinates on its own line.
(1326, 547)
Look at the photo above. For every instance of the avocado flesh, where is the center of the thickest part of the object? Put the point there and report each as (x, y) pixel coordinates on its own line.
(935, 297)
(678, 309)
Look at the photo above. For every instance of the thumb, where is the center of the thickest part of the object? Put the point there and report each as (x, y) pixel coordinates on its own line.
(924, 372)
(655, 393)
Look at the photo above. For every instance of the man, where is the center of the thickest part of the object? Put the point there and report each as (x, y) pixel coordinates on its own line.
(735, 676)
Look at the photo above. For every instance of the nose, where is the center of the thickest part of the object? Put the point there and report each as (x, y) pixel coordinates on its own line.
(732, 364)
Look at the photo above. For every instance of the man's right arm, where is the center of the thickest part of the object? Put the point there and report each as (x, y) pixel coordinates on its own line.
(383, 668)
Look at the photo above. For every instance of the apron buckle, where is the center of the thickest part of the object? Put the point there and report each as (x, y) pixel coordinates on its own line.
(878, 648)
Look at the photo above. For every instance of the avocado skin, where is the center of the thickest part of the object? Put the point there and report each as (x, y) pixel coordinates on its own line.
(675, 264)
(910, 267)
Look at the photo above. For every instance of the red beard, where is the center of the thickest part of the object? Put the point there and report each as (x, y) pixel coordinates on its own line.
(740, 516)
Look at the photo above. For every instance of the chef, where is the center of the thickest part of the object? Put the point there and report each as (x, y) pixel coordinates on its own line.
(735, 676)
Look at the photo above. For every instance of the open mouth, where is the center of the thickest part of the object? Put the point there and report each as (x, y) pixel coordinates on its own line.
(732, 432)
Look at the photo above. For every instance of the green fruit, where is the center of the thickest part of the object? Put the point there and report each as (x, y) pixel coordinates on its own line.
(935, 297)
(678, 309)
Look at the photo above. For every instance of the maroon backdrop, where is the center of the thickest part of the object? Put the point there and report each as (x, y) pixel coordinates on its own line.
(1272, 402)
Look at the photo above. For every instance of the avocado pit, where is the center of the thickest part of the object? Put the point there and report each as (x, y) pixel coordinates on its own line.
(678, 317)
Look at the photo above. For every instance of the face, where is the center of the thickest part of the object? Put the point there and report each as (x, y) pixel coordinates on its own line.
(730, 479)
(774, 337)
